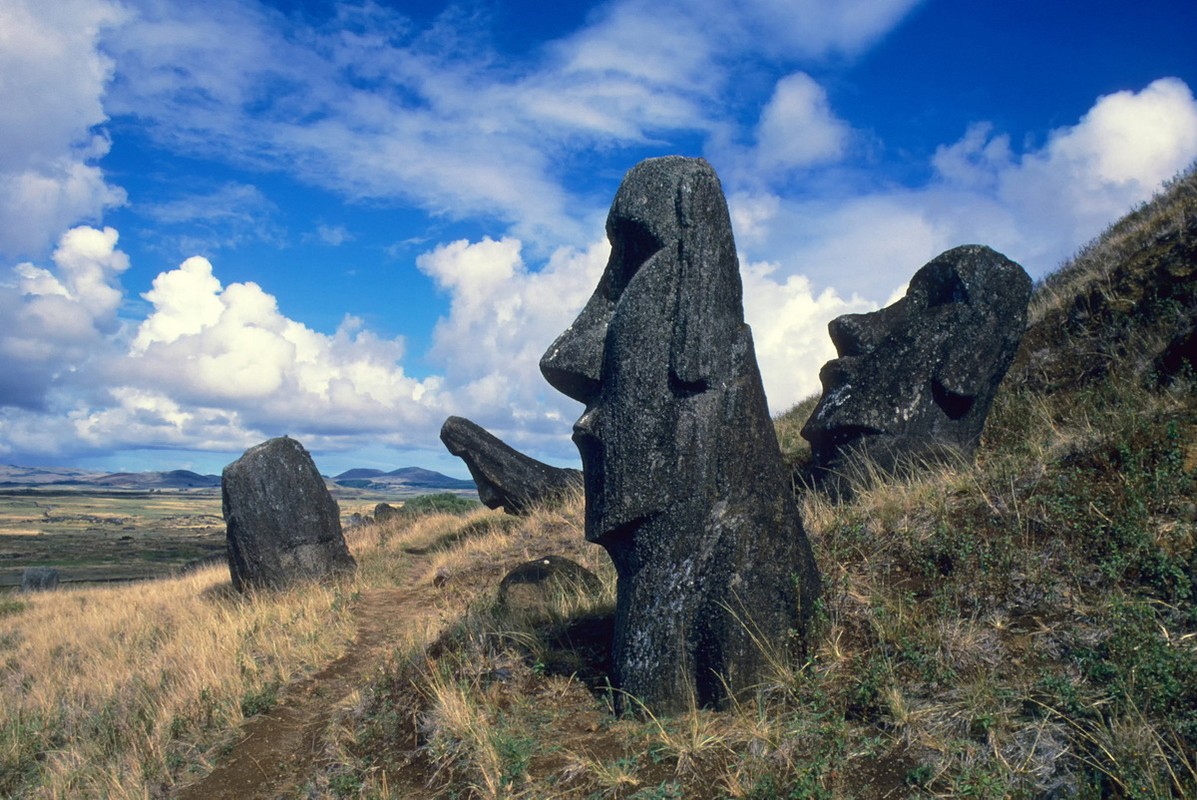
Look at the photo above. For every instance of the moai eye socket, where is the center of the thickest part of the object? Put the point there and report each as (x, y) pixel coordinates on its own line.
(631, 245)
(946, 289)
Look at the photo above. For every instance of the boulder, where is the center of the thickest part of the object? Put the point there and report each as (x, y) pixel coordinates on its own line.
(386, 511)
(504, 476)
(685, 486)
(283, 525)
(39, 579)
(534, 586)
(914, 381)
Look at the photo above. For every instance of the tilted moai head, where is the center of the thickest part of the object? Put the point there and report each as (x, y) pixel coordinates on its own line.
(915, 381)
(684, 482)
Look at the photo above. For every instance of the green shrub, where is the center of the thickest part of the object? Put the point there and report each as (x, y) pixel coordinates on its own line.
(443, 503)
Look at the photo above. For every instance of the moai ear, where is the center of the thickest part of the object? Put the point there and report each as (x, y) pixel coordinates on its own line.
(709, 317)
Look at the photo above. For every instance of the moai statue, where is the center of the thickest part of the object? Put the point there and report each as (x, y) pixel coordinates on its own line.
(505, 476)
(914, 381)
(684, 481)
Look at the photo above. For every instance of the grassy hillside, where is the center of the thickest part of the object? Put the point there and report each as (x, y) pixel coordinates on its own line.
(1023, 627)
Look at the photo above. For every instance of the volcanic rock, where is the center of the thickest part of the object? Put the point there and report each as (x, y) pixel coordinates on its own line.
(39, 579)
(684, 481)
(504, 476)
(534, 586)
(283, 525)
(915, 381)
(385, 511)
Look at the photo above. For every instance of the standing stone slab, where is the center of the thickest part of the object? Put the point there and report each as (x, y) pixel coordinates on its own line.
(39, 579)
(915, 381)
(685, 486)
(283, 525)
(504, 476)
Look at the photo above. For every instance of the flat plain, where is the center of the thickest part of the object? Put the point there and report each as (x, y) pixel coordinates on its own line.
(99, 536)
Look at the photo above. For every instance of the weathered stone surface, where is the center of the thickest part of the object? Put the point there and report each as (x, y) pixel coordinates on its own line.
(684, 480)
(504, 476)
(283, 525)
(534, 586)
(385, 511)
(915, 381)
(39, 579)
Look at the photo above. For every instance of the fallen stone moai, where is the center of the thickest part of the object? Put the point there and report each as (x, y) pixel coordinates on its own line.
(684, 481)
(915, 381)
(283, 525)
(504, 476)
(39, 579)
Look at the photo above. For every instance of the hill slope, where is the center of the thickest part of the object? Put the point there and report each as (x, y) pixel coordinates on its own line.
(1023, 627)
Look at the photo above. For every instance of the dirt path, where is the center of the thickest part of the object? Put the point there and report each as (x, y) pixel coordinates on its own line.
(279, 749)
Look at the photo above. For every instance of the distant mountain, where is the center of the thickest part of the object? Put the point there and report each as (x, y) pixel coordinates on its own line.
(405, 478)
(359, 475)
(14, 476)
(174, 479)
(11, 475)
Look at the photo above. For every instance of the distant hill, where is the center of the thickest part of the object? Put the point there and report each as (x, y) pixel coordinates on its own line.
(174, 479)
(403, 479)
(69, 477)
(359, 475)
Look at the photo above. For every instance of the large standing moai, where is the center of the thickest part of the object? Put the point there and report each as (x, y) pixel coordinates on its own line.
(505, 476)
(684, 480)
(283, 525)
(914, 381)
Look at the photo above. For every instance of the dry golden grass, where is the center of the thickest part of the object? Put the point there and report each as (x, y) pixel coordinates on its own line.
(116, 691)
(107, 692)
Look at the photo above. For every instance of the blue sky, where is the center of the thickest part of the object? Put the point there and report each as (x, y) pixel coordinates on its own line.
(227, 221)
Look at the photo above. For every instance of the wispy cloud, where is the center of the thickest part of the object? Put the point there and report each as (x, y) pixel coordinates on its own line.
(1036, 206)
(332, 235)
(435, 117)
(50, 102)
(224, 217)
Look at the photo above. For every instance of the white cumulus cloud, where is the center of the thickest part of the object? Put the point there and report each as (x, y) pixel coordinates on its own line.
(502, 317)
(789, 330)
(1036, 206)
(231, 347)
(56, 319)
